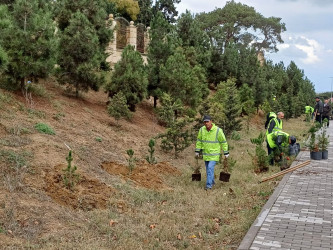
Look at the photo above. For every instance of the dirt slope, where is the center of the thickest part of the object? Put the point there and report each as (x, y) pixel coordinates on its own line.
(33, 201)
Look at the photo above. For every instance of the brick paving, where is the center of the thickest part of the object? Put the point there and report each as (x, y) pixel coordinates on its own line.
(299, 214)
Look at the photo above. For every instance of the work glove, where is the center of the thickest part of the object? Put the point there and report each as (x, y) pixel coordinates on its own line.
(196, 154)
(226, 156)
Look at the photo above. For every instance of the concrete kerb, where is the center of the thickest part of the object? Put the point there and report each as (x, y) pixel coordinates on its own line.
(252, 232)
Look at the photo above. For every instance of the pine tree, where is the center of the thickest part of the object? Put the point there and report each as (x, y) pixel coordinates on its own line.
(228, 98)
(27, 36)
(118, 107)
(161, 46)
(182, 81)
(79, 55)
(130, 77)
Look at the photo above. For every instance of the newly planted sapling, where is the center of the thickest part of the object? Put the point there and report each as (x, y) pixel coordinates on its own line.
(70, 177)
(151, 158)
(260, 159)
(131, 160)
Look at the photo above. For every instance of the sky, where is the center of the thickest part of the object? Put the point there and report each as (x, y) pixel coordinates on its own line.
(308, 40)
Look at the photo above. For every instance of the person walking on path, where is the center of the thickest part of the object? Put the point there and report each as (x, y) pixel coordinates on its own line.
(210, 141)
(319, 110)
(326, 112)
(274, 129)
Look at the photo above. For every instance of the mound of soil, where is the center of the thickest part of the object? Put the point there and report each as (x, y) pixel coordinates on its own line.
(87, 194)
(144, 174)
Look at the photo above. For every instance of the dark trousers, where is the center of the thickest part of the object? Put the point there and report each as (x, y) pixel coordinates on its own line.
(270, 154)
(318, 118)
(328, 119)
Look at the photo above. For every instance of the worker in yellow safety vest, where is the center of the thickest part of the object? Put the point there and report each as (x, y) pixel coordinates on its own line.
(274, 129)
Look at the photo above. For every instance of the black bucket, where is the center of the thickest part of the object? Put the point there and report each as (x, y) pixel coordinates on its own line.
(196, 177)
(325, 155)
(316, 155)
(224, 177)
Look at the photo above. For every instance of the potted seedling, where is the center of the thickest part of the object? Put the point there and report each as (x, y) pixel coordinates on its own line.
(196, 176)
(227, 167)
(315, 153)
(323, 141)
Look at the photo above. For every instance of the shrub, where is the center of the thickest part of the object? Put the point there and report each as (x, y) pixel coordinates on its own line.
(44, 129)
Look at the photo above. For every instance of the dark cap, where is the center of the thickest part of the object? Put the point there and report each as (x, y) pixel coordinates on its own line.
(317, 97)
(206, 118)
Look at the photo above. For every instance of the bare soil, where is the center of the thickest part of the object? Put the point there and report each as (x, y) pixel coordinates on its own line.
(32, 191)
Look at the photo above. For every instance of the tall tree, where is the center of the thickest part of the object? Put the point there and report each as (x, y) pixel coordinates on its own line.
(182, 81)
(95, 12)
(79, 55)
(161, 46)
(130, 77)
(241, 24)
(28, 39)
(226, 106)
(192, 36)
(146, 12)
(167, 8)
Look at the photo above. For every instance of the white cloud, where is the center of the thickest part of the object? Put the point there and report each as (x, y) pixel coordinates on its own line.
(311, 49)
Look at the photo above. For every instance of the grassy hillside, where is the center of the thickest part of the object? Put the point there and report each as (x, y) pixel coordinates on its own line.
(154, 207)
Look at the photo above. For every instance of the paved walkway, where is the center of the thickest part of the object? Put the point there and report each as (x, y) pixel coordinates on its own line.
(299, 214)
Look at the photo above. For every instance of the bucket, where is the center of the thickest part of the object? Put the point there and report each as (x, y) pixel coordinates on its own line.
(325, 155)
(224, 177)
(196, 177)
(316, 155)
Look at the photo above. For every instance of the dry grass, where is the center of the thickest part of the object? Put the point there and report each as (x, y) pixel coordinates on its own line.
(181, 216)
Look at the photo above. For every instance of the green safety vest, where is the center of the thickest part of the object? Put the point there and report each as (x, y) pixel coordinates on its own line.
(211, 142)
(309, 110)
(277, 130)
(272, 114)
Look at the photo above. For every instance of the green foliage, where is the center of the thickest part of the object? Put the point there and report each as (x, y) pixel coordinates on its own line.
(168, 109)
(16, 160)
(70, 177)
(186, 83)
(131, 160)
(228, 164)
(94, 11)
(226, 101)
(146, 12)
(44, 129)
(118, 107)
(99, 139)
(323, 140)
(177, 137)
(235, 136)
(3, 60)
(130, 77)
(260, 159)
(151, 158)
(79, 59)
(167, 8)
(27, 37)
(128, 9)
(161, 46)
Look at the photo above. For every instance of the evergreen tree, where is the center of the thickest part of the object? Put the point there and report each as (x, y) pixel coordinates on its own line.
(146, 12)
(167, 8)
(183, 82)
(227, 98)
(194, 40)
(130, 77)
(118, 107)
(27, 36)
(161, 46)
(3, 60)
(79, 55)
(95, 12)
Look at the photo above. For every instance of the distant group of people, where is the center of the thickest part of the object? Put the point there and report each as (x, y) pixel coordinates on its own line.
(321, 111)
(211, 139)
